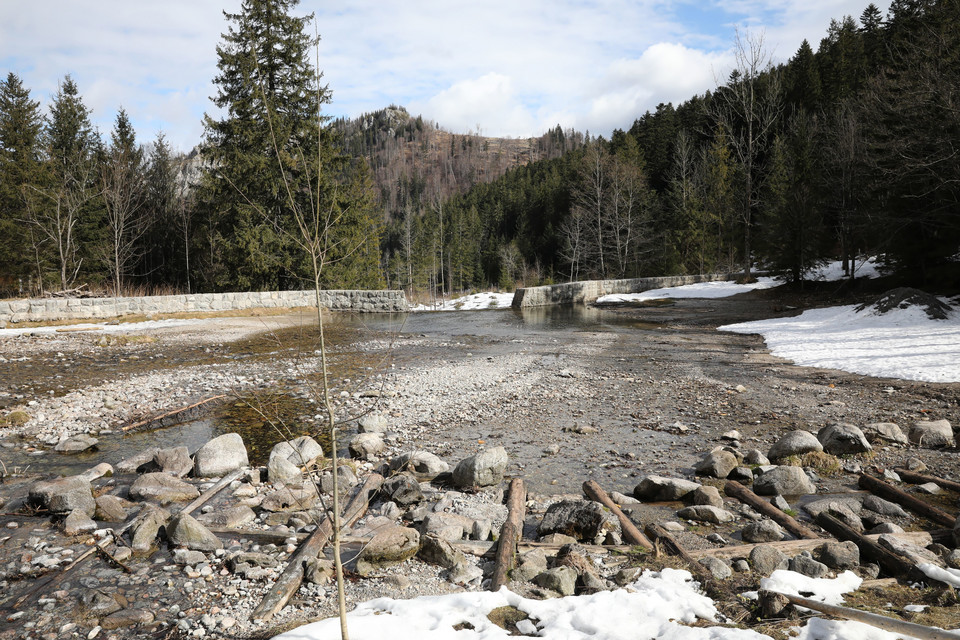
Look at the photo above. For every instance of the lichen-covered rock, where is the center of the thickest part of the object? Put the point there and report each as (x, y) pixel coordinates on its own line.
(482, 469)
(220, 456)
(878, 432)
(932, 434)
(766, 559)
(563, 580)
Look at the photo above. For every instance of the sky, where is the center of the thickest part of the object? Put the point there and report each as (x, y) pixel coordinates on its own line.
(510, 68)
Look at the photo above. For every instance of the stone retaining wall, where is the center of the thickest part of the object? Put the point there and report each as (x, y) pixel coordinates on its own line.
(47, 309)
(589, 290)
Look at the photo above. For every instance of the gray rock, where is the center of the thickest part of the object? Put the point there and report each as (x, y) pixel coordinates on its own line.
(707, 495)
(175, 461)
(784, 481)
(878, 432)
(592, 583)
(740, 565)
(184, 531)
(884, 507)
(530, 564)
(481, 530)
(766, 559)
(220, 456)
(661, 489)
(111, 508)
(280, 469)
(915, 553)
(162, 488)
(389, 547)
(126, 618)
(843, 513)
(373, 422)
(423, 463)
(780, 503)
(886, 527)
(146, 527)
(762, 531)
(932, 434)
(230, 517)
(581, 519)
(250, 558)
(717, 464)
(627, 576)
(449, 526)
(288, 499)
(930, 488)
(741, 474)
(816, 507)
(97, 603)
(347, 479)
(558, 539)
(804, 563)
(838, 555)
(188, 556)
(63, 495)
(318, 570)
(76, 444)
(717, 567)
(366, 446)
(755, 456)
(465, 573)
(842, 438)
(706, 513)
(78, 522)
(300, 452)
(795, 443)
(482, 469)
(563, 580)
(403, 489)
(953, 559)
(139, 463)
(435, 550)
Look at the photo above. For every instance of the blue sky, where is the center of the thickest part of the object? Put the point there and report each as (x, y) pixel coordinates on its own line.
(497, 67)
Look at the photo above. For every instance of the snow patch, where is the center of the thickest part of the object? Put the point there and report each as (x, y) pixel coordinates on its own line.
(472, 302)
(722, 289)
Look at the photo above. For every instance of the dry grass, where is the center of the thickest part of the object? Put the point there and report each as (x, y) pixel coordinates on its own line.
(16, 418)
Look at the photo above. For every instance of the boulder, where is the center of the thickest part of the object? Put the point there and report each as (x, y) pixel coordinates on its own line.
(97, 604)
(449, 526)
(347, 479)
(784, 481)
(63, 495)
(78, 522)
(932, 434)
(706, 513)
(717, 464)
(288, 499)
(842, 512)
(111, 508)
(184, 531)
(766, 559)
(755, 456)
(366, 446)
(851, 503)
(435, 550)
(762, 531)
(660, 489)
(318, 570)
(280, 469)
(391, 545)
(563, 580)
(884, 507)
(138, 463)
(102, 470)
(403, 489)
(220, 456)
(842, 438)
(188, 556)
(175, 461)
(162, 488)
(803, 563)
(581, 519)
(914, 553)
(482, 469)
(530, 564)
(717, 567)
(423, 463)
(230, 517)
(795, 443)
(300, 452)
(878, 432)
(76, 444)
(743, 475)
(373, 422)
(838, 555)
(707, 495)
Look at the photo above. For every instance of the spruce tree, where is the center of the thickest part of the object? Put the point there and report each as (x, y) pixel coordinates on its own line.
(269, 133)
(21, 125)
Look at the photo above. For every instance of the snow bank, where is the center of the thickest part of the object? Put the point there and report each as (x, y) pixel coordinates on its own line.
(472, 302)
(699, 290)
(902, 343)
(104, 327)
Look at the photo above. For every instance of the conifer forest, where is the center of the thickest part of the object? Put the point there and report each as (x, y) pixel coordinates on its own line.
(849, 148)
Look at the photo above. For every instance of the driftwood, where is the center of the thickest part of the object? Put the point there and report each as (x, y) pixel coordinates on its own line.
(663, 539)
(631, 533)
(894, 564)
(874, 620)
(289, 581)
(510, 534)
(890, 492)
(168, 414)
(736, 490)
(919, 478)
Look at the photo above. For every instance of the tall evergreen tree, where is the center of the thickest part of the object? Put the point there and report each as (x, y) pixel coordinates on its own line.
(21, 125)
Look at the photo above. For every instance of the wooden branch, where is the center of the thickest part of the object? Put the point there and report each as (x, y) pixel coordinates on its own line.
(631, 533)
(736, 490)
(167, 414)
(209, 493)
(510, 534)
(894, 564)
(893, 625)
(919, 478)
(662, 537)
(289, 581)
(890, 492)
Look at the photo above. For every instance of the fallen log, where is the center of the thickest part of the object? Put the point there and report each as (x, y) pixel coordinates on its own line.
(736, 490)
(663, 539)
(874, 620)
(890, 492)
(168, 414)
(895, 565)
(920, 478)
(631, 533)
(510, 534)
(289, 581)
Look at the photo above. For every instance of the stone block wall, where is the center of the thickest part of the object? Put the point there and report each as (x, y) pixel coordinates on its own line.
(47, 309)
(588, 291)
